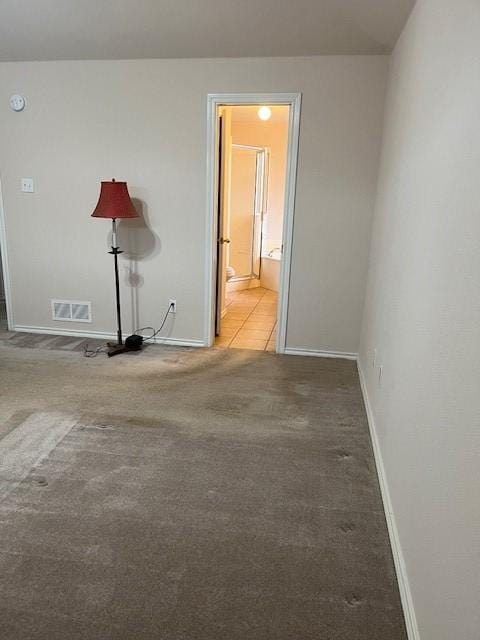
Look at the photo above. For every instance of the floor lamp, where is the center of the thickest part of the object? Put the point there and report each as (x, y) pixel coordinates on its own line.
(114, 203)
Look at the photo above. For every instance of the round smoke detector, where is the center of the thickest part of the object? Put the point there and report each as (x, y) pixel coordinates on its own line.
(17, 102)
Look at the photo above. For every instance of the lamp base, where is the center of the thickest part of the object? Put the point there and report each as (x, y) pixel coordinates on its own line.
(132, 343)
(115, 349)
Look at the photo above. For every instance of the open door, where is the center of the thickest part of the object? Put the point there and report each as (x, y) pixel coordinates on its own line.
(248, 187)
(224, 151)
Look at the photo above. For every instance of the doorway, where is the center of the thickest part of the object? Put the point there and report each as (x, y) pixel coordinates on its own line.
(251, 172)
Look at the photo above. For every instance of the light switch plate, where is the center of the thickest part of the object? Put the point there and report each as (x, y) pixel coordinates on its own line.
(27, 185)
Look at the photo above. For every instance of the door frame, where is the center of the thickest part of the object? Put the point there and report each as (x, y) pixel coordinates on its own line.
(215, 100)
(5, 265)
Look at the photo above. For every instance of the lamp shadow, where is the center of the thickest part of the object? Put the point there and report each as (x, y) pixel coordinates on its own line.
(139, 243)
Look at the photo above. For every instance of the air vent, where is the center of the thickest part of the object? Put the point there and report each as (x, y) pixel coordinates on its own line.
(72, 310)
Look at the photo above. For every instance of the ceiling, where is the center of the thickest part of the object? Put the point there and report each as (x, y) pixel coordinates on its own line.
(118, 29)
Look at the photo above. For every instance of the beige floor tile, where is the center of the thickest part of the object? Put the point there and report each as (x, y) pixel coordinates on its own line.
(222, 342)
(231, 322)
(254, 334)
(244, 343)
(237, 315)
(261, 313)
(254, 291)
(251, 294)
(240, 308)
(250, 320)
(264, 323)
(226, 332)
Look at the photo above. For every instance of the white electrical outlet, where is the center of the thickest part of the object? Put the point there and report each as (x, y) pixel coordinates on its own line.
(173, 306)
(27, 185)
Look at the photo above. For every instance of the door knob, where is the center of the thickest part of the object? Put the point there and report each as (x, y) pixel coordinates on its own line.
(224, 241)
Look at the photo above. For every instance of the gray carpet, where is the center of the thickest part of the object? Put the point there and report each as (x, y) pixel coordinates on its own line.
(45, 341)
(189, 494)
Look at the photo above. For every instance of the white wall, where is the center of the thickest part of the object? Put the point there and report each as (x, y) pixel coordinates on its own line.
(422, 313)
(144, 121)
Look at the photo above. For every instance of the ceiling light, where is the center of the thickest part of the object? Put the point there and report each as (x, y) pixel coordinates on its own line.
(264, 113)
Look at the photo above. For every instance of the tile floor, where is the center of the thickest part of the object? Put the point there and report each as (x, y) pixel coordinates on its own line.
(250, 321)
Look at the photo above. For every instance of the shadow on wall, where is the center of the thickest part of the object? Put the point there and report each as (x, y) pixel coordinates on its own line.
(139, 243)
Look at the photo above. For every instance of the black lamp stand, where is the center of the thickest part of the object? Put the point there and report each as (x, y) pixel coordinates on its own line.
(118, 347)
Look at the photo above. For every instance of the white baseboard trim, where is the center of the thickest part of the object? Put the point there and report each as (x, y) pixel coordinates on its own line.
(320, 354)
(179, 342)
(402, 577)
(101, 335)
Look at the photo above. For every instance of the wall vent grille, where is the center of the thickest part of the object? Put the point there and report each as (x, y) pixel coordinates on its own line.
(72, 310)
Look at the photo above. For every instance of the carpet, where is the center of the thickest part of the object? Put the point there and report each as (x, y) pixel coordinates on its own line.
(189, 494)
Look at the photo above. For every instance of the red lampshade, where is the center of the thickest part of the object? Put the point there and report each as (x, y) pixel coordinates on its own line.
(114, 202)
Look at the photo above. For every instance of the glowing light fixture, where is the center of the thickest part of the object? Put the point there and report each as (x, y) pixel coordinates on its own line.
(264, 113)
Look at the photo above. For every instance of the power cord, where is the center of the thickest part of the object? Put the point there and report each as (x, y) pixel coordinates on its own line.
(155, 333)
(93, 353)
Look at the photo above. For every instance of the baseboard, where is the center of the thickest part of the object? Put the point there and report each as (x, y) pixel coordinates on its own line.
(402, 577)
(320, 354)
(101, 335)
(179, 342)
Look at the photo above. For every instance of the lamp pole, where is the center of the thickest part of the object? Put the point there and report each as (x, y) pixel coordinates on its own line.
(115, 251)
(115, 203)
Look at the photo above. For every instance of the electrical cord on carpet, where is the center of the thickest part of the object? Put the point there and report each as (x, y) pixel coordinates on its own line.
(92, 353)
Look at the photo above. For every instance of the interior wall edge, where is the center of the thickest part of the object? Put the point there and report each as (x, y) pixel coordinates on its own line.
(395, 543)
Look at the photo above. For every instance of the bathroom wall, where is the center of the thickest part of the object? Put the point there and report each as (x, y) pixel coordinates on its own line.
(242, 210)
(274, 135)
